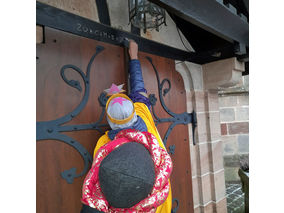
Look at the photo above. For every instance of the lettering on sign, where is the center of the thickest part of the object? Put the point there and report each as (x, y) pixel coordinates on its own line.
(99, 33)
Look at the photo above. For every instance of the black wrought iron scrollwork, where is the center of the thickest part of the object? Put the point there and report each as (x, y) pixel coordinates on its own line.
(174, 210)
(172, 149)
(175, 119)
(52, 130)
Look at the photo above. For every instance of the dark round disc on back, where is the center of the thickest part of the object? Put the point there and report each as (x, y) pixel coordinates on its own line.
(127, 175)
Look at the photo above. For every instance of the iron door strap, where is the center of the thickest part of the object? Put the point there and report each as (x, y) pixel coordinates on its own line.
(174, 210)
(52, 130)
(172, 149)
(175, 119)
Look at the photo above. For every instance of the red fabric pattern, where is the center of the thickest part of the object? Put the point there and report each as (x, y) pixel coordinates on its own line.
(92, 194)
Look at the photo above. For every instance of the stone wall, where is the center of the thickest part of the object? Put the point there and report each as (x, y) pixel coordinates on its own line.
(234, 118)
(208, 180)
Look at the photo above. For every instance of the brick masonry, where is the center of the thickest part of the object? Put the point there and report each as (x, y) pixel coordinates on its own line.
(234, 128)
(243, 144)
(227, 114)
(208, 182)
(234, 124)
(242, 113)
(208, 177)
(238, 128)
(234, 119)
(224, 129)
(216, 118)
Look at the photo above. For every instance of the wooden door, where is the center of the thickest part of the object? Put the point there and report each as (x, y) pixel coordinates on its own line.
(70, 120)
(56, 98)
(177, 142)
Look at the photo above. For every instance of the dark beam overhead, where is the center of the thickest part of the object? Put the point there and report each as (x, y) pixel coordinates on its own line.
(246, 3)
(200, 39)
(240, 5)
(103, 12)
(59, 19)
(220, 19)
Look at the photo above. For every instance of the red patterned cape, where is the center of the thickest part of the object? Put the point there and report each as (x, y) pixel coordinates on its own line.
(92, 194)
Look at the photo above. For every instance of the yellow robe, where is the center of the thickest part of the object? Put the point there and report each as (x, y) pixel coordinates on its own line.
(143, 111)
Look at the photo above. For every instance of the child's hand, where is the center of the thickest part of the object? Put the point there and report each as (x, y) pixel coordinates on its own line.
(133, 50)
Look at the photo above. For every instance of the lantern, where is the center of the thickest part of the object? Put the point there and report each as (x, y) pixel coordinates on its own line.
(146, 15)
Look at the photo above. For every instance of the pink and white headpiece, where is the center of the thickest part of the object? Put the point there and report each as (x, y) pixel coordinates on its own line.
(120, 108)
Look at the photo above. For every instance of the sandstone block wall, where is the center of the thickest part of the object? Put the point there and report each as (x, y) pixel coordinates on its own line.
(208, 182)
(234, 119)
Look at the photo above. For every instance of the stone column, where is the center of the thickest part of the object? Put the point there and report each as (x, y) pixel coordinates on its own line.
(201, 85)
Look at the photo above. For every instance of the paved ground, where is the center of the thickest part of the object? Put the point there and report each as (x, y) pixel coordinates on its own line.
(235, 198)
